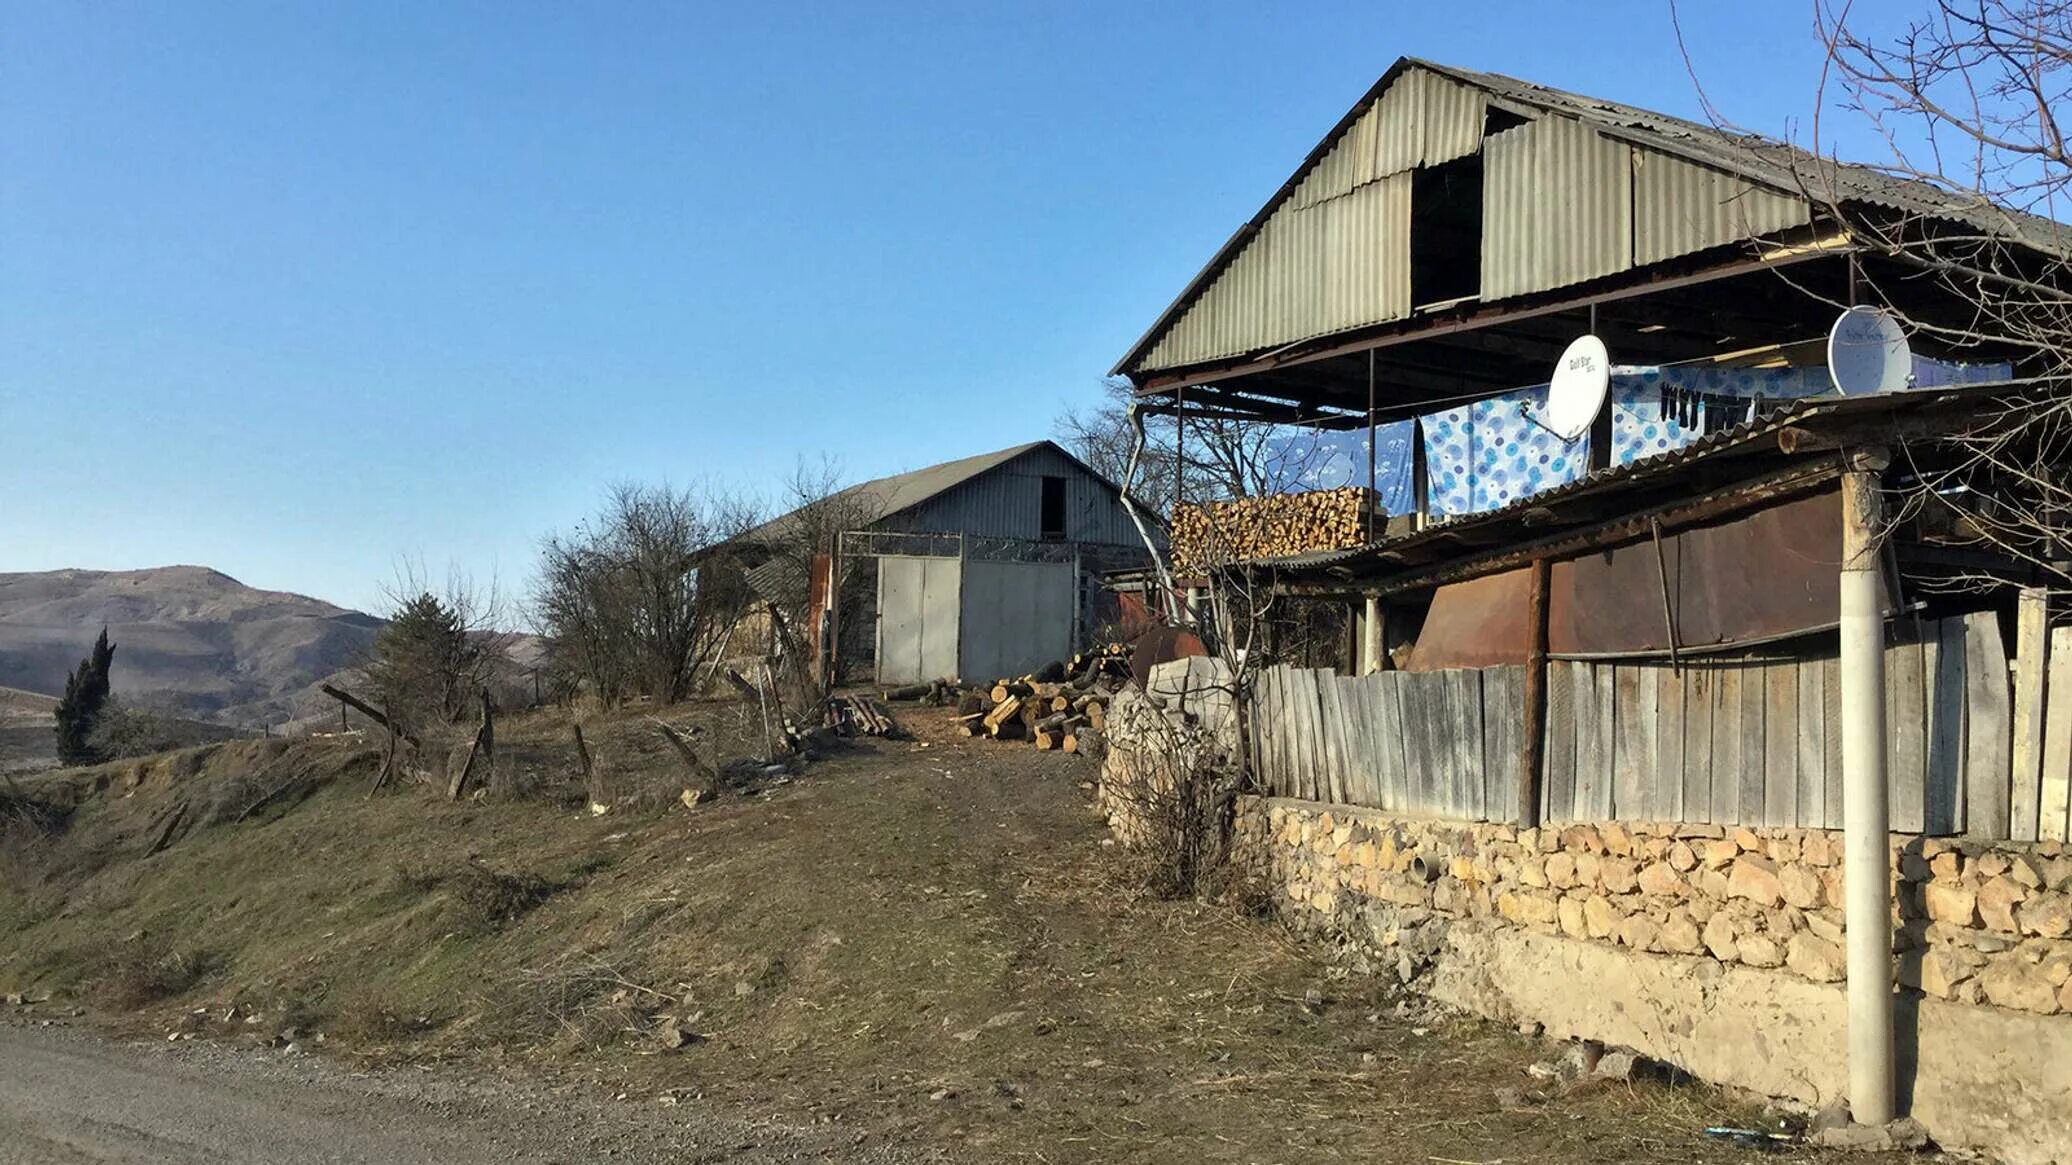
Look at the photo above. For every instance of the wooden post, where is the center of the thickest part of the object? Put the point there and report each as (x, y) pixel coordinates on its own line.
(489, 743)
(1530, 755)
(591, 790)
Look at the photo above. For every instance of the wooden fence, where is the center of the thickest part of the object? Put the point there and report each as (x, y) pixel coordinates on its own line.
(1439, 743)
(1733, 742)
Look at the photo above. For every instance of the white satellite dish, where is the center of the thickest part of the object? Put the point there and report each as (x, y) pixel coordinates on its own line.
(1576, 394)
(1867, 352)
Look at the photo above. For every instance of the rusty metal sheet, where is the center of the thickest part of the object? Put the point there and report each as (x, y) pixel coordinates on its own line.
(1477, 623)
(1769, 573)
(1766, 574)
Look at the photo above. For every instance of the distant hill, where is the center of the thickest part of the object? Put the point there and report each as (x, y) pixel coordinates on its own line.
(189, 640)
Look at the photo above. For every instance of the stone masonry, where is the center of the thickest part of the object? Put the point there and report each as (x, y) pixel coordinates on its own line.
(1975, 923)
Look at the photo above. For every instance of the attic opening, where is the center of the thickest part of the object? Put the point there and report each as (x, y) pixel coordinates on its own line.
(1051, 519)
(1446, 231)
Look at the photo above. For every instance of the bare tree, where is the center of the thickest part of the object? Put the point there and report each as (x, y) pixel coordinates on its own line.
(1216, 458)
(624, 601)
(1970, 102)
(1962, 245)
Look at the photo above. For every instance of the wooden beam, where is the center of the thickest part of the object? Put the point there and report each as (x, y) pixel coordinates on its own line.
(1528, 807)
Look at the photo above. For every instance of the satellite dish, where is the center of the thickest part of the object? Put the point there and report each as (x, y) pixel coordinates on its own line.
(1867, 352)
(1576, 394)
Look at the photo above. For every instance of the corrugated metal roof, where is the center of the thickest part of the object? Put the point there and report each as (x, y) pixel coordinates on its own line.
(1762, 159)
(1562, 207)
(886, 497)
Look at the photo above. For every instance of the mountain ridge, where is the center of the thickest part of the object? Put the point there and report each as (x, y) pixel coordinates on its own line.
(190, 639)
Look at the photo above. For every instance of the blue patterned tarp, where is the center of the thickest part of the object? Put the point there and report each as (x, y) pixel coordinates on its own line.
(1489, 453)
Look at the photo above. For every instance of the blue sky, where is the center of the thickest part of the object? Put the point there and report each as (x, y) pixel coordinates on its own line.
(299, 291)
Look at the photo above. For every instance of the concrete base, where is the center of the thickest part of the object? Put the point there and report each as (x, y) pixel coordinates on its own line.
(1993, 1080)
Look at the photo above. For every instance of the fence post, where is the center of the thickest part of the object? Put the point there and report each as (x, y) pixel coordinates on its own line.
(1534, 743)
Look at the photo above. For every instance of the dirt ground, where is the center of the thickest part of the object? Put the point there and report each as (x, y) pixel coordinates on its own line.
(925, 943)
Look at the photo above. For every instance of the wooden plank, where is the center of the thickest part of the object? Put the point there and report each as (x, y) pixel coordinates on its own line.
(1388, 729)
(1781, 744)
(1943, 676)
(1669, 744)
(1271, 719)
(1700, 692)
(1811, 800)
(1727, 760)
(1285, 782)
(1421, 694)
(1336, 732)
(1831, 737)
(1633, 757)
(1906, 728)
(1503, 725)
(1559, 802)
(2031, 661)
(1987, 728)
(1593, 759)
(1466, 705)
(1302, 758)
(1359, 747)
(2055, 794)
(1327, 737)
(1754, 788)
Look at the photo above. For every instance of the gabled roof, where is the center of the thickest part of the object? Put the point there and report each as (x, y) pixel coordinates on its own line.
(885, 497)
(1328, 252)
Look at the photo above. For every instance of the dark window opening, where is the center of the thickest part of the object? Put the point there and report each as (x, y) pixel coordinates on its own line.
(1496, 119)
(1052, 520)
(1446, 231)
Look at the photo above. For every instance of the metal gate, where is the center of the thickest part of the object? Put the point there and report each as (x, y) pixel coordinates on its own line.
(1016, 617)
(917, 618)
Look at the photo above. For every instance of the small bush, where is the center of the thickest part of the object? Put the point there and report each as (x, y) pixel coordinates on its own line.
(483, 900)
(135, 975)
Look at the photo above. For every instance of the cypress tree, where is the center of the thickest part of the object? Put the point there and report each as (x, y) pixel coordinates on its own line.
(86, 694)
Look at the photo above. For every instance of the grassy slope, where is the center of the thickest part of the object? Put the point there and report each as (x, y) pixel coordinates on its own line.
(920, 942)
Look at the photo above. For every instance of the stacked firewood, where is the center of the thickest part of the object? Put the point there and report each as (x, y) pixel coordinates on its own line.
(1062, 706)
(1218, 533)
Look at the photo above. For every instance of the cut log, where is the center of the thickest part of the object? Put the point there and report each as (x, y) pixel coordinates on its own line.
(909, 692)
(1005, 710)
(1006, 688)
(971, 702)
(1049, 741)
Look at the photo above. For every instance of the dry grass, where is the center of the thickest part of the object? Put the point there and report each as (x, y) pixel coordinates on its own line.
(910, 919)
(134, 975)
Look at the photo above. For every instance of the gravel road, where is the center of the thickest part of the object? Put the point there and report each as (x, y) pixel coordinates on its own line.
(68, 1097)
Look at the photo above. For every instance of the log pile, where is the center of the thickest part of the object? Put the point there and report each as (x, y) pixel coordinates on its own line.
(1061, 707)
(861, 716)
(1218, 533)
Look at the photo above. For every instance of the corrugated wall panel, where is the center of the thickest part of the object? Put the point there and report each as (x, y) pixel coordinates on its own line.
(1557, 208)
(1008, 503)
(1680, 208)
(1425, 119)
(1340, 263)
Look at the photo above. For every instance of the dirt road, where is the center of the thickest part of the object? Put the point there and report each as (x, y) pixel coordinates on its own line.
(69, 1098)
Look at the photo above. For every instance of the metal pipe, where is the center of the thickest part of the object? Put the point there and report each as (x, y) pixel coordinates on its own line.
(1866, 859)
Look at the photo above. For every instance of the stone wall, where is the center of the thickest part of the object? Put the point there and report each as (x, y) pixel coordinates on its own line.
(1974, 923)
(1716, 949)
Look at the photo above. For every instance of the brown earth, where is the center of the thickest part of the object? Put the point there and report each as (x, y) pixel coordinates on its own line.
(926, 942)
